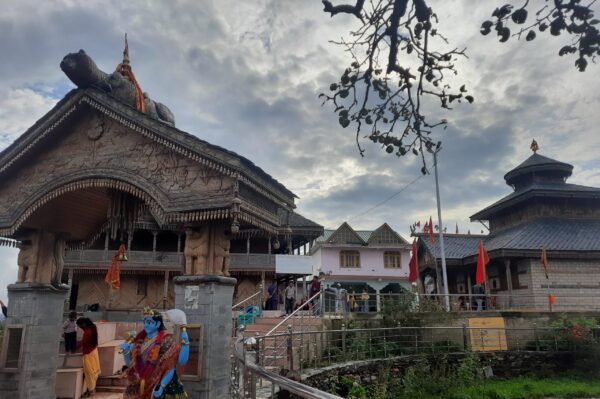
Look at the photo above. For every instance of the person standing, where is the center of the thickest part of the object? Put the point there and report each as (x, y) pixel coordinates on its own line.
(364, 297)
(70, 333)
(272, 301)
(289, 298)
(315, 288)
(91, 362)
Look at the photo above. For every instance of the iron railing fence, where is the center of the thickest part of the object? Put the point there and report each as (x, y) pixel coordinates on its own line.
(304, 318)
(314, 349)
(254, 301)
(249, 380)
(340, 305)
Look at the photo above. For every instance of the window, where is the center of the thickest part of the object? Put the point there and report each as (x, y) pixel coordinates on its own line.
(391, 260)
(349, 259)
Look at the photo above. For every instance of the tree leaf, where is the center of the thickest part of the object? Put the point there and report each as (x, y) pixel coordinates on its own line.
(519, 16)
(530, 36)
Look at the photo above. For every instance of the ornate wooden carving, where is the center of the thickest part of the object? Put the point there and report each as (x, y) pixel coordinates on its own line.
(99, 147)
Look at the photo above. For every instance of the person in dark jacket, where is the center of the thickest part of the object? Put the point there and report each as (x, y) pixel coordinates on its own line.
(4, 309)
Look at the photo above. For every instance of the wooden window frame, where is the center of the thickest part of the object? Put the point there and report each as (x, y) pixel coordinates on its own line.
(346, 255)
(200, 327)
(392, 255)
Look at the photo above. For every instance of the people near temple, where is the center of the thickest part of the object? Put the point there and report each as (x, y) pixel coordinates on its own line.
(340, 298)
(352, 305)
(70, 333)
(364, 299)
(4, 309)
(91, 361)
(290, 293)
(479, 295)
(151, 357)
(272, 302)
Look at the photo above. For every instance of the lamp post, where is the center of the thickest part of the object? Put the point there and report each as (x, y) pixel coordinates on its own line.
(441, 231)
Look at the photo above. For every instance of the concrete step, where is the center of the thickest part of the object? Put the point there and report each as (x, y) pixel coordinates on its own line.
(103, 388)
(113, 381)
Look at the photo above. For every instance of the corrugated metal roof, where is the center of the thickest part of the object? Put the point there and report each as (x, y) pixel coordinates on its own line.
(456, 246)
(553, 233)
(536, 188)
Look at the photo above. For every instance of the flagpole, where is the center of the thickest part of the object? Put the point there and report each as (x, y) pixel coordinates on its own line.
(441, 232)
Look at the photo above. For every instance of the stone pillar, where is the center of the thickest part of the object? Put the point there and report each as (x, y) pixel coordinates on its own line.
(207, 300)
(39, 309)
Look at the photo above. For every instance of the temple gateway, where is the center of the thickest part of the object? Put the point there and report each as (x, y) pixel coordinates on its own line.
(105, 168)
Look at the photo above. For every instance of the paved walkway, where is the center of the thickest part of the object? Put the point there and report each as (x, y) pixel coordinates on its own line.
(107, 395)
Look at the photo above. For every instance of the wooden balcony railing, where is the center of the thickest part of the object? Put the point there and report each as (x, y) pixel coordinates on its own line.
(101, 258)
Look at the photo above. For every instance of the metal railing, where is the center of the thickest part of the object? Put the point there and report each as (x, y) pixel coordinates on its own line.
(251, 381)
(255, 300)
(341, 305)
(305, 318)
(315, 349)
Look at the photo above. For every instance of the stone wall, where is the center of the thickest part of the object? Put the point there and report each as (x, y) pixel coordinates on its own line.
(503, 364)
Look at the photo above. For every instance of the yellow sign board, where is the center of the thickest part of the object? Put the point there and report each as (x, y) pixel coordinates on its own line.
(487, 334)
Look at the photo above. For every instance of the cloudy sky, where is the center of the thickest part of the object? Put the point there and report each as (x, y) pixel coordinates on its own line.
(245, 75)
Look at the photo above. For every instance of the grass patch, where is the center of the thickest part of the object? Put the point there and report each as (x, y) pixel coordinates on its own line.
(530, 388)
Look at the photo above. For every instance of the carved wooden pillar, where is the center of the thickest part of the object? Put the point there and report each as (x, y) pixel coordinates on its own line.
(70, 284)
(469, 290)
(178, 243)
(154, 235)
(508, 281)
(248, 250)
(166, 290)
(269, 245)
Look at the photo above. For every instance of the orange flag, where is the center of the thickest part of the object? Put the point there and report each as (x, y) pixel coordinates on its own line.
(482, 261)
(414, 264)
(431, 236)
(544, 260)
(113, 276)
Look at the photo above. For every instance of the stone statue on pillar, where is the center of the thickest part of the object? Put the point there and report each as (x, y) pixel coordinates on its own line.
(207, 251)
(41, 258)
(196, 250)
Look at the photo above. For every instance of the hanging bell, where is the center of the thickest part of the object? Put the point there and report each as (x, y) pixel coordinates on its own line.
(122, 257)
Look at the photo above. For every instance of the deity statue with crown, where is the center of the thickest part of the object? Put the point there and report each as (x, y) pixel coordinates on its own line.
(151, 358)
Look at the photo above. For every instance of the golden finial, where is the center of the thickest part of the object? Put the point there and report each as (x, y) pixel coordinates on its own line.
(534, 146)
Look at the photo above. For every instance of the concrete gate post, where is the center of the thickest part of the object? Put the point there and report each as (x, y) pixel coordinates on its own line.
(38, 308)
(207, 300)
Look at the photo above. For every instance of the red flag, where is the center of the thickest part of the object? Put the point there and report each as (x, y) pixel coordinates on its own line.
(544, 260)
(482, 261)
(113, 275)
(431, 236)
(414, 264)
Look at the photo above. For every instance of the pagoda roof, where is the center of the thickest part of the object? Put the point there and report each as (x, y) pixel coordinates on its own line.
(555, 234)
(555, 190)
(212, 155)
(538, 163)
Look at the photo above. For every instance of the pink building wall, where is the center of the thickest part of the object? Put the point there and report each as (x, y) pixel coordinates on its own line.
(371, 262)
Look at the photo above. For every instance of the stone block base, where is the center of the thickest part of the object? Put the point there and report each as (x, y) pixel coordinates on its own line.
(39, 309)
(207, 300)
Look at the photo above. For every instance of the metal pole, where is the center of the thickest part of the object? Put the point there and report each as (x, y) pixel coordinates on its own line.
(442, 251)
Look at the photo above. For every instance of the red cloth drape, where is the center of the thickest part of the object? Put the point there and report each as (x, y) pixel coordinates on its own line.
(482, 261)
